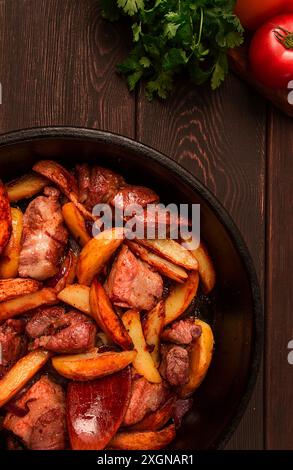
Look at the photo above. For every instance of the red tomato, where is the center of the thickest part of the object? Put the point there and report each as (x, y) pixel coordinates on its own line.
(253, 13)
(271, 52)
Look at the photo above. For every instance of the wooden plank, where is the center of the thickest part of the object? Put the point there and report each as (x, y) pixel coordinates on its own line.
(279, 373)
(58, 67)
(220, 138)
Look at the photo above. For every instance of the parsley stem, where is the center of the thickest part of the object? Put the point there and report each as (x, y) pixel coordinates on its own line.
(200, 28)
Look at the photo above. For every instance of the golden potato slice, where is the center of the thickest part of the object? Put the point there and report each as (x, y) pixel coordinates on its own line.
(5, 218)
(75, 223)
(200, 358)
(143, 361)
(77, 296)
(25, 187)
(163, 266)
(108, 320)
(21, 373)
(206, 268)
(172, 251)
(9, 260)
(19, 305)
(152, 329)
(96, 253)
(158, 419)
(149, 440)
(11, 288)
(180, 297)
(93, 364)
(68, 271)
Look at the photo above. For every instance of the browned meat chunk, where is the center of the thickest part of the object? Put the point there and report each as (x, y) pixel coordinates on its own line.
(180, 409)
(157, 219)
(44, 426)
(61, 332)
(145, 398)
(130, 195)
(131, 282)
(97, 185)
(51, 191)
(175, 364)
(12, 344)
(44, 239)
(182, 332)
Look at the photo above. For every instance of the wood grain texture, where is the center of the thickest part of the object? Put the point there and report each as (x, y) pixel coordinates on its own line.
(221, 141)
(58, 63)
(279, 374)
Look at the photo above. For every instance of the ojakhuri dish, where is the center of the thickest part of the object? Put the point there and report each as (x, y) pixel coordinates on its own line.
(100, 345)
(232, 309)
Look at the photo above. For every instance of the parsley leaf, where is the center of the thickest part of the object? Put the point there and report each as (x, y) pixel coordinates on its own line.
(175, 36)
(130, 7)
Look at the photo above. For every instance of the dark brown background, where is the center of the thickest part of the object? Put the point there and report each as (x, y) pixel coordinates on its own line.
(57, 67)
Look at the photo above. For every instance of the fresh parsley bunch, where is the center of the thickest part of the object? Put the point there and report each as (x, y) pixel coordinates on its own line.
(173, 36)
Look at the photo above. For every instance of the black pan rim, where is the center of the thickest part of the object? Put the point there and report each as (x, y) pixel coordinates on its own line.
(81, 133)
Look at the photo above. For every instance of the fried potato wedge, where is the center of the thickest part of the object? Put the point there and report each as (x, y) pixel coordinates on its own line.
(200, 358)
(96, 253)
(153, 325)
(25, 187)
(5, 217)
(163, 266)
(19, 305)
(21, 373)
(172, 251)
(106, 317)
(158, 419)
(68, 271)
(75, 223)
(143, 361)
(11, 288)
(206, 268)
(58, 175)
(77, 296)
(149, 440)
(65, 181)
(92, 365)
(180, 297)
(9, 260)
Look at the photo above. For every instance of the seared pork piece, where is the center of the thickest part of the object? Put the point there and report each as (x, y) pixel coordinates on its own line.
(12, 344)
(45, 321)
(181, 407)
(145, 398)
(50, 191)
(44, 426)
(129, 195)
(61, 332)
(44, 239)
(97, 185)
(132, 284)
(182, 332)
(156, 218)
(175, 364)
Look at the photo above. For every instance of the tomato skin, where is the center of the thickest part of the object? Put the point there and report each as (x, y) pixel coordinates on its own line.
(271, 62)
(254, 13)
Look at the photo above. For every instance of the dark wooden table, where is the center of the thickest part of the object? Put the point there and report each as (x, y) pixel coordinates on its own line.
(57, 67)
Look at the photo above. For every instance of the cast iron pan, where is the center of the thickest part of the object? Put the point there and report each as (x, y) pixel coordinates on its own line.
(234, 311)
